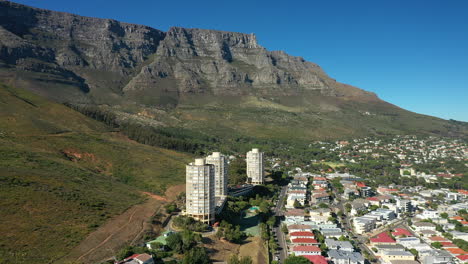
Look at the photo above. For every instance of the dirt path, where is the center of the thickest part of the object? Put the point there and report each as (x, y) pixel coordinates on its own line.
(120, 230)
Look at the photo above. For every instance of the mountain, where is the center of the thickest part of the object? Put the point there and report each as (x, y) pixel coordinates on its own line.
(63, 174)
(214, 82)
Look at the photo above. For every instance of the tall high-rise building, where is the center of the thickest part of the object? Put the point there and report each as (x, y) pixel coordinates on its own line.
(200, 194)
(255, 170)
(220, 163)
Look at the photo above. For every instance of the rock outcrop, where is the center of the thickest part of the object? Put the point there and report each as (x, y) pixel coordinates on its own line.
(107, 59)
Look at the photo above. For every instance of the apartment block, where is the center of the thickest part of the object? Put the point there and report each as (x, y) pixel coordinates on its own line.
(200, 191)
(255, 167)
(220, 163)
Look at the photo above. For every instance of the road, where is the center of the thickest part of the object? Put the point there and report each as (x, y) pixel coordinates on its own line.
(283, 249)
(346, 225)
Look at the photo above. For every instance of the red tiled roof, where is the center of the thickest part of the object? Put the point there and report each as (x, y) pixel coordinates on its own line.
(401, 231)
(304, 240)
(372, 198)
(465, 192)
(316, 259)
(458, 218)
(360, 184)
(438, 238)
(448, 245)
(460, 257)
(382, 238)
(306, 249)
(132, 257)
(319, 179)
(456, 251)
(302, 233)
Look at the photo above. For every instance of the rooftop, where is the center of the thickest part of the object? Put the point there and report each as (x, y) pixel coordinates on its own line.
(401, 232)
(304, 240)
(382, 238)
(302, 233)
(340, 254)
(306, 249)
(316, 259)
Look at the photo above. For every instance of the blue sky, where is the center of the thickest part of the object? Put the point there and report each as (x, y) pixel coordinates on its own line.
(411, 53)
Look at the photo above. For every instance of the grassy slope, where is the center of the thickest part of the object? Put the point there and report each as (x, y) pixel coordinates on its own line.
(63, 174)
(308, 117)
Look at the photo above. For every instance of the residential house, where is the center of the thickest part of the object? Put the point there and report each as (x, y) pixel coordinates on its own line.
(301, 234)
(306, 250)
(389, 256)
(437, 257)
(138, 259)
(304, 241)
(339, 245)
(316, 259)
(419, 226)
(382, 239)
(345, 257)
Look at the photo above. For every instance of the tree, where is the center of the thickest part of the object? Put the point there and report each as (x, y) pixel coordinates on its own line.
(297, 204)
(271, 221)
(284, 228)
(296, 260)
(414, 252)
(348, 207)
(196, 255)
(174, 241)
(181, 242)
(343, 238)
(237, 172)
(170, 208)
(437, 245)
(323, 205)
(230, 232)
(444, 215)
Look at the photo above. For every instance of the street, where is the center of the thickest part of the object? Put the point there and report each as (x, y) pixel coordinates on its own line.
(283, 250)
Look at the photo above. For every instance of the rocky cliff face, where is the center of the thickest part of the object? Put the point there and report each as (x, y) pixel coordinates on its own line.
(107, 59)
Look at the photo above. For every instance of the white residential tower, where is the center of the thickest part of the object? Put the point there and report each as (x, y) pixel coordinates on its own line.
(255, 167)
(200, 191)
(220, 163)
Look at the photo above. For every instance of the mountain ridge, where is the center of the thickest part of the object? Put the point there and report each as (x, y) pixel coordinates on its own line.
(129, 68)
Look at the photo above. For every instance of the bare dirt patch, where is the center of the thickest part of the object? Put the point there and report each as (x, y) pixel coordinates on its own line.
(121, 230)
(220, 250)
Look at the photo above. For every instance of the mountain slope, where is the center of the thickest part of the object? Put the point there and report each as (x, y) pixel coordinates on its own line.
(63, 174)
(198, 79)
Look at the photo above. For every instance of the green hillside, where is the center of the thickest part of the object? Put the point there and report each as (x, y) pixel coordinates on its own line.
(63, 174)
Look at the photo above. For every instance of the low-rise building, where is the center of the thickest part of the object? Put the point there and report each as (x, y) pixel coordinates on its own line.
(339, 245)
(363, 224)
(408, 241)
(299, 228)
(302, 234)
(389, 256)
(382, 239)
(437, 257)
(138, 259)
(397, 247)
(306, 250)
(304, 242)
(345, 257)
(419, 226)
